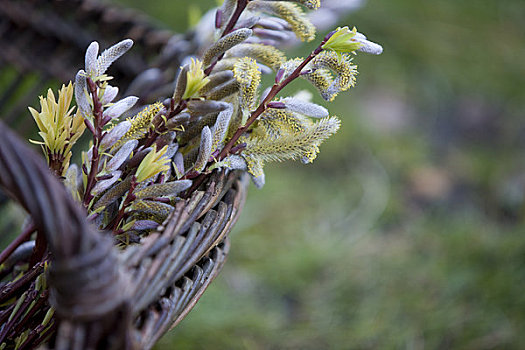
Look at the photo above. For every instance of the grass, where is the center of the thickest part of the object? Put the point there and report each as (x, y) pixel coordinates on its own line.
(408, 230)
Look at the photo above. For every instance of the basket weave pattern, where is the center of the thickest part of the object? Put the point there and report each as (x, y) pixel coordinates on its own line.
(134, 295)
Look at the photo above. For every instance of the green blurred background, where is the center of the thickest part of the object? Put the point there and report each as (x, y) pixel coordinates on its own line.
(408, 230)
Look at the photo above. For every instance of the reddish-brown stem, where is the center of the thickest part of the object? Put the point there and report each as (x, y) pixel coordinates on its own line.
(12, 288)
(276, 88)
(41, 299)
(239, 9)
(241, 5)
(39, 334)
(97, 135)
(158, 123)
(56, 162)
(14, 318)
(130, 197)
(24, 236)
(40, 248)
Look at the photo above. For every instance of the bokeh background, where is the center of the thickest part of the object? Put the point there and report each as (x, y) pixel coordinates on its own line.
(408, 230)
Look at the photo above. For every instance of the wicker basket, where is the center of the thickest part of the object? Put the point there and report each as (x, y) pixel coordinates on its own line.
(107, 298)
(44, 41)
(104, 298)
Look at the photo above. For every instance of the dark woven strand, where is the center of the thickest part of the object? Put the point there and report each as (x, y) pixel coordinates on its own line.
(86, 281)
(191, 239)
(49, 38)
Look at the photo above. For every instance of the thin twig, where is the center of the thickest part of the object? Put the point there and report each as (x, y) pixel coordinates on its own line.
(263, 106)
(24, 236)
(97, 135)
(276, 88)
(127, 201)
(13, 287)
(241, 6)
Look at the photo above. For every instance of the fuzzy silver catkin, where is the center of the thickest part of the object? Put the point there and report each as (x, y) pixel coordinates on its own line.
(223, 90)
(110, 93)
(220, 128)
(227, 9)
(225, 64)
(311, 4)
(81, 96)
(247, 22)
(176, 122)
(224, 44)
(167, 189)
(178, 165)
(113, 194)
(265, 54)
(232, 162)
(259, 181)
(190, 157)
(110, 55)
(120, 107)
(144, 225)
(166, 139)
(194, 128)
(276, 36)
(103, 185)
(90, 59)
(204, 150)
(122, 155)
(198, 107)
(307, 108)
(272, 23)
(368, 46)
(73, 181)
(217, 79)
(158, 210)
(182, 81)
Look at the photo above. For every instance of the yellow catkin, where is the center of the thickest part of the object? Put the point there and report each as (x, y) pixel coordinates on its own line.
(322, 80)
(311, 4)
(265, 54)
(58, 127)
(278, 121)
(304, 145)
(140, 124)
(341, 65)
(254, 165)
(248, 76)
(291, 13)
